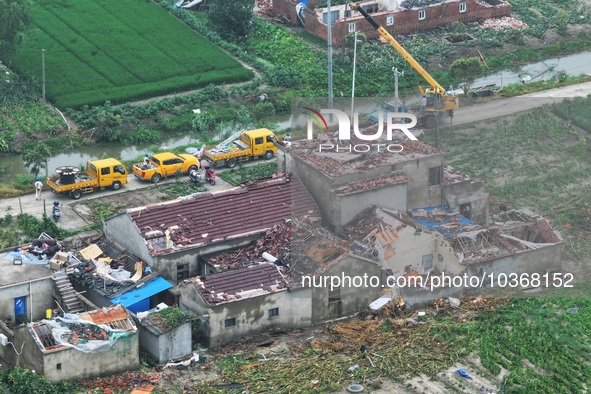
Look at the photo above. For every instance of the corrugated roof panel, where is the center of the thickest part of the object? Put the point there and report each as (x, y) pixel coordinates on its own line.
(136, 295)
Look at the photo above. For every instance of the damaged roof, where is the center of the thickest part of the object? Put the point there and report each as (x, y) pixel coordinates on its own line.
(73, 334)
(239, 284)
(333, 163)
(474, 243)
(204, 218)
(300, 248)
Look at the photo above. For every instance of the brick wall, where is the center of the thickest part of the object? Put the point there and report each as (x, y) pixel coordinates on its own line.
(287, 9)
(405, 21)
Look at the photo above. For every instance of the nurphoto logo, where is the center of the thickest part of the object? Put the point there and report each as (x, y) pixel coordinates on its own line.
(345, 124)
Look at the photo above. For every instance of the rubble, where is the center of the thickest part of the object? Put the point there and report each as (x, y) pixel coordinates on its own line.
(451, 175)
(373, 183)
(505, 22)
(342, 159)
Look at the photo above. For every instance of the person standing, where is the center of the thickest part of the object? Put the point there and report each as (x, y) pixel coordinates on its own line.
(146, 159)
(38, 187)
(423, 105)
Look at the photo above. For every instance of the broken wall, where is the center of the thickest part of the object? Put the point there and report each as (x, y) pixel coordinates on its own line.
(351, 204)
(74, 364)
(352, 299)
(123, 232)
(412, 246)
(405, 20)
(473, 192)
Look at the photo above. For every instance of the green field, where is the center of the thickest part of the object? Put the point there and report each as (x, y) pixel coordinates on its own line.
(118, 51)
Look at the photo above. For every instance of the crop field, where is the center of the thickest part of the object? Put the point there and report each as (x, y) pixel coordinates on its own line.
(28, 117)
(537, 160)
(119, 51)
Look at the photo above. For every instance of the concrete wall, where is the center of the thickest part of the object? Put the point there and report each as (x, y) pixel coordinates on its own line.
(167, 264)
(473, 192)
(251, 314)
(352, 204)
(168, 346)
(405, 21)
(419, 193)
(125, 235)
(540, 260)
(412, 246)
(338, 210)
(352, 298)
(123, 356)
(38, 299)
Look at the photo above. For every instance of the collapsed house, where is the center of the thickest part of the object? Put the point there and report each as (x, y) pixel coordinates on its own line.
(67, 347)
(439, 242)
(396, 16)
(344, 182)
(278, 283)
(173, 237)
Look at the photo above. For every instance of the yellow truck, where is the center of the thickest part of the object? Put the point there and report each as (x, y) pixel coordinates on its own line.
(165, 164)
(251, 144)
(99, 175)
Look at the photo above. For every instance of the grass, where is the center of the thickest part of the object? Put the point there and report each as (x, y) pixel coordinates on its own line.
(236, 176)
(149, 52)
(29, 118)
(538, 161)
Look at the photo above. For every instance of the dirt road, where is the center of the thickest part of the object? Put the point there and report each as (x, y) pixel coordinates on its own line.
(506, 106)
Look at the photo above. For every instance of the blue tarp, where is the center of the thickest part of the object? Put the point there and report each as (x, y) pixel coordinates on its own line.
(136, 295)
(434, 224)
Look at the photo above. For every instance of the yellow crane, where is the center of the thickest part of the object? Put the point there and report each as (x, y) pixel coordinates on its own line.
(437, 100)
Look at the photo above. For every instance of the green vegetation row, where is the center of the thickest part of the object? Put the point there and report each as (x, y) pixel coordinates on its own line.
(148, 53)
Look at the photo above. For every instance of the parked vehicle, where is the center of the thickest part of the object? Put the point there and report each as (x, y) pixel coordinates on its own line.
(195, 176)
(100, 174)
(389, 106)
(56, 210)
(210, 175)
(165, 164)
(242, 146)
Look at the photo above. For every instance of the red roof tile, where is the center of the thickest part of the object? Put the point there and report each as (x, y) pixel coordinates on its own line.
(231, 285)
(203, 218)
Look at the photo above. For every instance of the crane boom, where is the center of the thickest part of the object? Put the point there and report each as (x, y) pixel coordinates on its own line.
(413, 63)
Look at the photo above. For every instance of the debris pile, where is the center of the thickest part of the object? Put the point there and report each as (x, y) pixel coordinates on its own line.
(342, 158)
(451, 175)
(505, 22)
(275, 242)
(373, 183)
(265, 7)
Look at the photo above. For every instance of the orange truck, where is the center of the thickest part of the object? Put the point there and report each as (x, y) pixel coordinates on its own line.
(99, 175)
(251, 144)
(165, 164)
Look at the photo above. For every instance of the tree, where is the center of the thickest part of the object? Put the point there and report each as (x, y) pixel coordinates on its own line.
(36, 155)
(231, 18)
(15, 19)
(466, 70)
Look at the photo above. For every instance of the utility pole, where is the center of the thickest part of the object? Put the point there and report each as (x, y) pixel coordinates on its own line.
(354, 64)
(43, 73)
(329, 37)
(396, 75)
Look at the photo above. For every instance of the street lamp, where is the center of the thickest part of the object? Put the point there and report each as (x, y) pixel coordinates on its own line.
(396, 75)
(354, 64)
